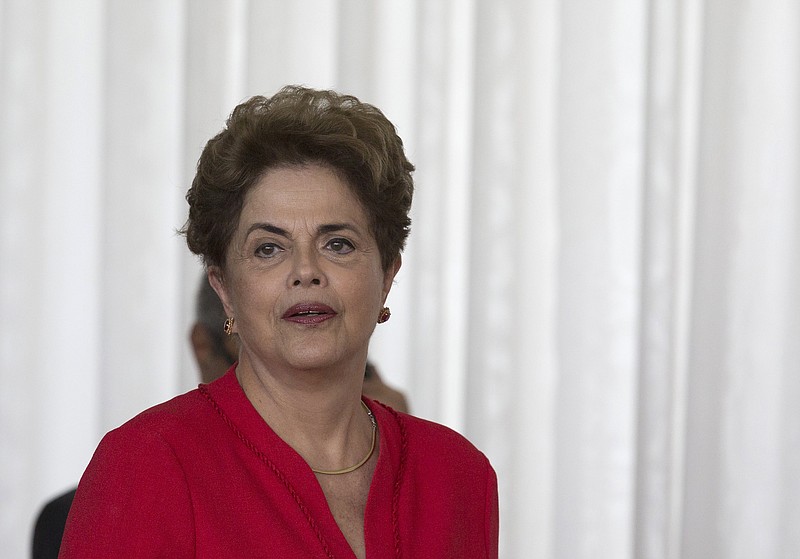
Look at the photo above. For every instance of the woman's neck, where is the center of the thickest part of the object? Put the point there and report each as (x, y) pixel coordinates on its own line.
(318, 413)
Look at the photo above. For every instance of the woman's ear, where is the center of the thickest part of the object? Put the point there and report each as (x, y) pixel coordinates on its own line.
(388, 276)
(217, 281)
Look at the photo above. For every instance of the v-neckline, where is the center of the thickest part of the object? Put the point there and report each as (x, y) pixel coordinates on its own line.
(380, 515)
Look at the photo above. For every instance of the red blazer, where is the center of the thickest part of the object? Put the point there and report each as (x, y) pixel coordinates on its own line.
(203, 475)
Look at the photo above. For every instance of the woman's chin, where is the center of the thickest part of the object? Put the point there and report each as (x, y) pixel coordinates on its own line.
(317, 363)
(313, 362)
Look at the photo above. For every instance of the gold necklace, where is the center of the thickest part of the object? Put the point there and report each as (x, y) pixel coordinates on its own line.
(363, 460)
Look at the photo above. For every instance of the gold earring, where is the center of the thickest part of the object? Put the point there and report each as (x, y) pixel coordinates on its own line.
(384, 315)
(228, 326)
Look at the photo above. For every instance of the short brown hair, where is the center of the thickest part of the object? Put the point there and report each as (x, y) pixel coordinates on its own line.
(298, 126)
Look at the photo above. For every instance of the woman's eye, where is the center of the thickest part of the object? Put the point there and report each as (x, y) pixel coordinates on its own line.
(268, 250)
(340, 246)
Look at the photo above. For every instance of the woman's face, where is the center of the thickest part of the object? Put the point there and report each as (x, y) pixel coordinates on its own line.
(303, 276)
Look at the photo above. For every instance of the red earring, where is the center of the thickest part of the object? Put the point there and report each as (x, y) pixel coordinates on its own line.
(384, 315)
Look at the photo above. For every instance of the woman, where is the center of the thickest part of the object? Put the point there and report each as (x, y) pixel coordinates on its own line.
(299, 209)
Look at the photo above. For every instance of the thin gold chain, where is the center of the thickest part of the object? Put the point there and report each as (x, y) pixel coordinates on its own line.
(363, 460)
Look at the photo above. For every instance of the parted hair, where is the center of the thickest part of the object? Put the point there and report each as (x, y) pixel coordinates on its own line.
(298, 126)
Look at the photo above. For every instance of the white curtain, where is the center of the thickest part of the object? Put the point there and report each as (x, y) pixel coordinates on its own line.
(601, 289)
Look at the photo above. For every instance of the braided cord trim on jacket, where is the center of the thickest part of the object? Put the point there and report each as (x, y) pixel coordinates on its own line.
(249, 444)
(398, 482)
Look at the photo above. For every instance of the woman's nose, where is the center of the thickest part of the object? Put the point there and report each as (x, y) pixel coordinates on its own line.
(306, 269)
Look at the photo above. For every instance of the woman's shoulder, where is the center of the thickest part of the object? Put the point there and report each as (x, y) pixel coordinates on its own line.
(175, 430)
(428, 441)
(188, 410)
(430, 434)
(173, 413)
(188, 415)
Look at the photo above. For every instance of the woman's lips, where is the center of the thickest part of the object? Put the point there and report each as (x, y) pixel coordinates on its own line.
(309, 313)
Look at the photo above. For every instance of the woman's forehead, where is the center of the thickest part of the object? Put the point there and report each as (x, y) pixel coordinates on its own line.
(310, 197)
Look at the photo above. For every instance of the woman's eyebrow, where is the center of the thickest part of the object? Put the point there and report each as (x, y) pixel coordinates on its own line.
(321, 230)
(269, 228)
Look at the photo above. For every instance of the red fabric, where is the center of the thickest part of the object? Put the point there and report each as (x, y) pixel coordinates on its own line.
(202, 475)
